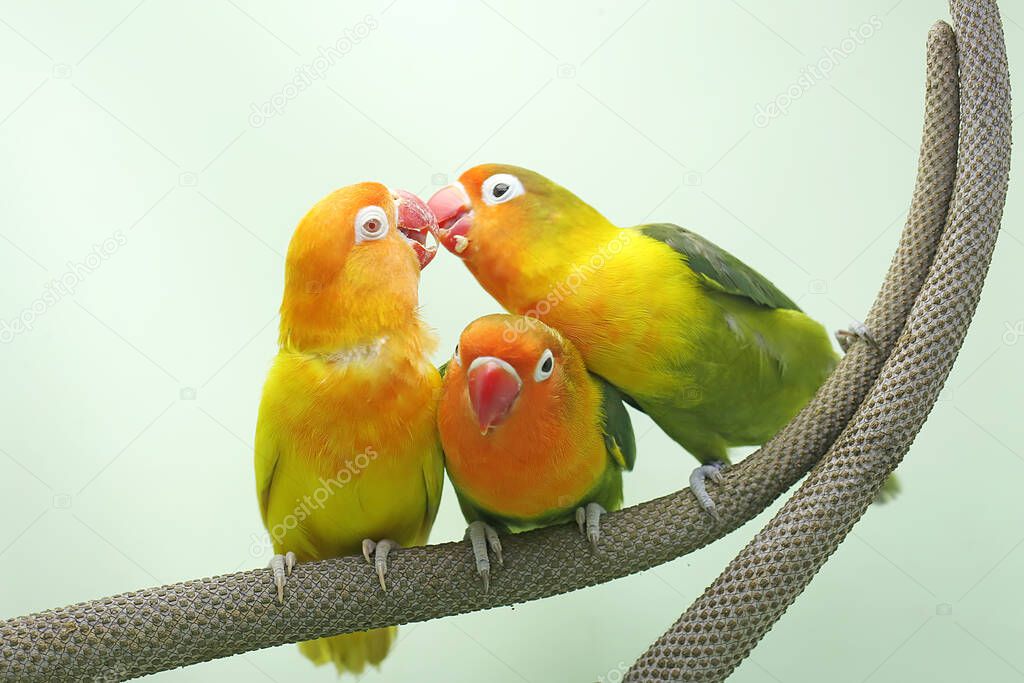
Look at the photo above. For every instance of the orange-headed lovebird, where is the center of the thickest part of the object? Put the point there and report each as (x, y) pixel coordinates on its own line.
(710, 349)
(348, 456)
(531, 437)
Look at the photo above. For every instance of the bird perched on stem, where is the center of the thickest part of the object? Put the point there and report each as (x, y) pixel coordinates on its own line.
(348, 458)
(531, 438)
(710, 349)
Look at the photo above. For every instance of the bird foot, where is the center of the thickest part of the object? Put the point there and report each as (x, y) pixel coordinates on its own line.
(698, 477)
(380, 551)
(483, 537)
(588, 519)
(281, 568)
(857, 332)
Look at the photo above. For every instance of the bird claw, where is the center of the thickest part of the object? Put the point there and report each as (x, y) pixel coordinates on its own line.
(482, 538)
(380, 551)
(280, 569)
(858, 332)
(698, 479)
(588, 520)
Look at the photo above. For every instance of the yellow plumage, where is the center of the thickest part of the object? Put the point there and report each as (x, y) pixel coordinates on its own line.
(346, 440)
(708, 347)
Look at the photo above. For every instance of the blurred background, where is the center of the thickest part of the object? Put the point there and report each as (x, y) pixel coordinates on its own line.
(156, 156)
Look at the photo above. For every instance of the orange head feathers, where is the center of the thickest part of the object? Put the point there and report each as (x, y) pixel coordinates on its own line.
(515, 369)
(352, 270)
(494, 206)
(517, 231)
(519, 417)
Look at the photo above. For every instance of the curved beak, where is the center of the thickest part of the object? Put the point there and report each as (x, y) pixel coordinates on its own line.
(416, 222)
(493, 388)
(454, 212)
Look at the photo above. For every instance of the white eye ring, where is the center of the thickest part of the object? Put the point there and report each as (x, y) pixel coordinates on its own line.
(545, 366)
(457, 357)
(506, 185)
(371, 224)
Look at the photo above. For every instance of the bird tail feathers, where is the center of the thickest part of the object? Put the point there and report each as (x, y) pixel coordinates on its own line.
(351, 651)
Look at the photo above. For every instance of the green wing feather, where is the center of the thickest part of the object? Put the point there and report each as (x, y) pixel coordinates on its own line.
(616, 426)
(718, 268)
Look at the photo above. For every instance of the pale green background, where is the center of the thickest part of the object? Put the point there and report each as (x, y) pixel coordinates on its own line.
(133, 119)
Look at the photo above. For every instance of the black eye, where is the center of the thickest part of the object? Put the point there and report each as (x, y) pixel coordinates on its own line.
(545, 365)
(500, 188)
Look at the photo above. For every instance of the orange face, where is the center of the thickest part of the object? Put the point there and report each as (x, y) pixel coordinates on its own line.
(493, 207)
(516, 231)
(353, 266)
(518, 417)
(504, 359)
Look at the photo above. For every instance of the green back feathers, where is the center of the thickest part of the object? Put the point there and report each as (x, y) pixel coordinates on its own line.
(616, 426)
(718, 268)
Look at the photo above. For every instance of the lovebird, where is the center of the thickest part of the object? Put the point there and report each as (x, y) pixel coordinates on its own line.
(531, 438)
(705, 345)
(348, 457)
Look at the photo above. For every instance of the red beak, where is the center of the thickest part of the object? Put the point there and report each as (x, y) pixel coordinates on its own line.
(416, 222)
(493, 388)
(454, 213)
